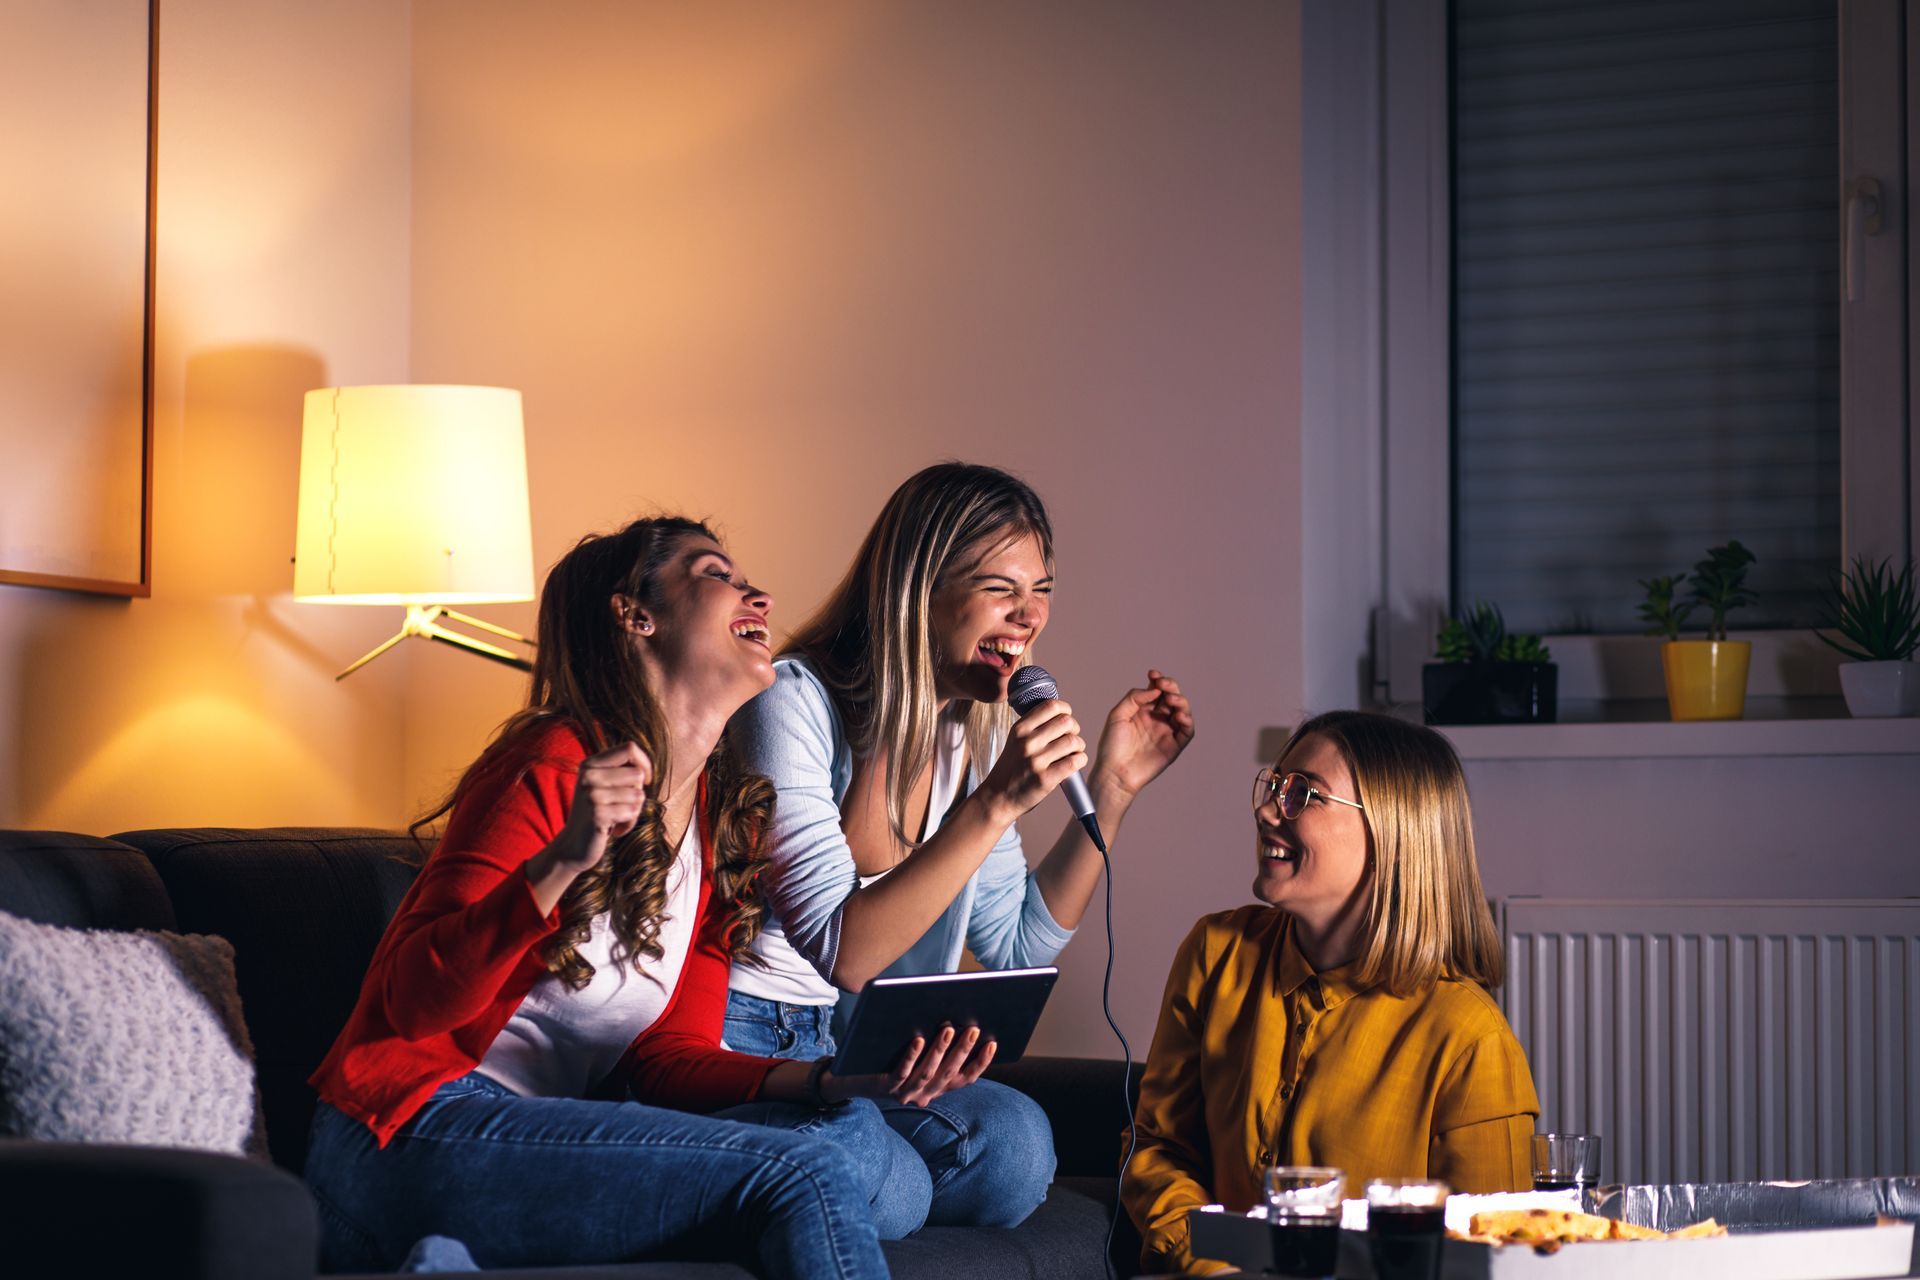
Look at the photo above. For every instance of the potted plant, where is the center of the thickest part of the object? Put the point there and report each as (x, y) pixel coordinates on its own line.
(1877, 614)
(1485, 676)
(1706, 679)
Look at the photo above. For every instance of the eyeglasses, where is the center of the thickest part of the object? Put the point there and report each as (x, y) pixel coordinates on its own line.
(1295, 790)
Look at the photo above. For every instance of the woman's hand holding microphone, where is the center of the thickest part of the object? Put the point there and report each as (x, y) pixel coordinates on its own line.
(1044, 748)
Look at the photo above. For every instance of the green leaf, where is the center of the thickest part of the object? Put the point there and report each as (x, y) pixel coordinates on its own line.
(1660, 611)
(1876, 610)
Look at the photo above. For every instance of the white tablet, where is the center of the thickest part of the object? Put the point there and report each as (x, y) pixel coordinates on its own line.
(889, 1012)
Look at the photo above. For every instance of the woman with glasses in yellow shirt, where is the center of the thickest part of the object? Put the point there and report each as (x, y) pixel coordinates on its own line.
(1346, 1022)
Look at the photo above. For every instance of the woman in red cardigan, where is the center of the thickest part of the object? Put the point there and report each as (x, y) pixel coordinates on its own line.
(534, 1065)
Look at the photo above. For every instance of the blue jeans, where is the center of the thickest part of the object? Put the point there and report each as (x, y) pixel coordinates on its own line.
(988, 1149)
(528, 1182)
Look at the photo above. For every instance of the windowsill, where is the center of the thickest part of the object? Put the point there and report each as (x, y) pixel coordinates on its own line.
(1641, 730)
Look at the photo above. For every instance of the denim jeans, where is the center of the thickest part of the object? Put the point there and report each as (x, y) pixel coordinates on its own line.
(988, 1149)
(526, 1182)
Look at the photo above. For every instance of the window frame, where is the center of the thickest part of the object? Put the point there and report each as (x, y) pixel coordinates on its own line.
(1880, 55)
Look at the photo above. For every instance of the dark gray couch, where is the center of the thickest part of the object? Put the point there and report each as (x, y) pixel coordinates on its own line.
(303, 908)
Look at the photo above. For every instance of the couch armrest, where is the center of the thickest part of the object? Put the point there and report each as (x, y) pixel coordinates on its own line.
(1083, 1099)
(87, 1209)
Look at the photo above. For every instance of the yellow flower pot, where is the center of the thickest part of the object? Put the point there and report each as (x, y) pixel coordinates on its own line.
(1706, 679)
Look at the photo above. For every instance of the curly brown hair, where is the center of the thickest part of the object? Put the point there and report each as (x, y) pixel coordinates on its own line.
(587, 676)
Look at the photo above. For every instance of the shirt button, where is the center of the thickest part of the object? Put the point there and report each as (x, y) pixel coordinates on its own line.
(1286, 1092)
(1266, 1156)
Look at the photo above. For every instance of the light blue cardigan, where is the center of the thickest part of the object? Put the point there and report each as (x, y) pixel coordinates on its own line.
(793, 734)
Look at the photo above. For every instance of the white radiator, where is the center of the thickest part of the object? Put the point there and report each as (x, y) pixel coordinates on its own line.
(1723, 1041)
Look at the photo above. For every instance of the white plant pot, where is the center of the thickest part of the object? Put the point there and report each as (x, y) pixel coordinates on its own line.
(1881, 688)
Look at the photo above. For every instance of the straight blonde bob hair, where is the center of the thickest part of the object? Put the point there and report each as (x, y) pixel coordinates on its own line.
(1427, 917)
(872, 641)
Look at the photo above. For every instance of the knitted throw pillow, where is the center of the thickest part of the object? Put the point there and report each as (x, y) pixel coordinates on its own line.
(123, 1037)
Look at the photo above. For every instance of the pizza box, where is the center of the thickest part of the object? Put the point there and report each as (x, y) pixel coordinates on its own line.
(1777, 1231)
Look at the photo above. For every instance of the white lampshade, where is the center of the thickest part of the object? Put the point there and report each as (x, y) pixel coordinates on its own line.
(413, 495)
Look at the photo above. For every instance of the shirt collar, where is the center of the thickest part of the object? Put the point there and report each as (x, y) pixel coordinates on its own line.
(1333, 986)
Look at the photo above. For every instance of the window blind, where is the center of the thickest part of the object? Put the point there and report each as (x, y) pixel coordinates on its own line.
(1646, 297)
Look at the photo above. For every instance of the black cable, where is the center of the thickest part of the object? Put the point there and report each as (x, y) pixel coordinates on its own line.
(1126, 1051)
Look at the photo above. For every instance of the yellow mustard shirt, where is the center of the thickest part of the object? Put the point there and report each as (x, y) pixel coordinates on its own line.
(1258, 1060)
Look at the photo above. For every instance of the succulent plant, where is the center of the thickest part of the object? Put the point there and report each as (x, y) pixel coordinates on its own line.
(1661, 611)
(1474, 635)
(1719, 584)
(1480, 635)
(1453, 644)
(1522, 649)
(1876, 611)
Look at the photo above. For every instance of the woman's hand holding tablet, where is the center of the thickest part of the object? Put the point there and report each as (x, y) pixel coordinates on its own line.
(893, 1014)
(927, 1069)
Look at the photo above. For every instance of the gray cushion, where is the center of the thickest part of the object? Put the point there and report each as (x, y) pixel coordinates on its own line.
(131, 1038)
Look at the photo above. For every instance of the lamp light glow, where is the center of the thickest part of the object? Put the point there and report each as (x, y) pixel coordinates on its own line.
(415, 496)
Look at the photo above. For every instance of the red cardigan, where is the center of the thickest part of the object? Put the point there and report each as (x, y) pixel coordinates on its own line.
(460, 956)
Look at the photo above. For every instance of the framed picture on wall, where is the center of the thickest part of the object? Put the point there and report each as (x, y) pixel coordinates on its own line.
(77, 95)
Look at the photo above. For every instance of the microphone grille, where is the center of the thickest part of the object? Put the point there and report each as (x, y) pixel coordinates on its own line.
(1030, 687)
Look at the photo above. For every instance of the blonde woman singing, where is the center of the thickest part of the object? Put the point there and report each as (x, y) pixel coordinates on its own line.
(900, 771)
(1346, 1021)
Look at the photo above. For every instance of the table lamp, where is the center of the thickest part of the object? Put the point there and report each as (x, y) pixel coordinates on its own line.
(415, 496)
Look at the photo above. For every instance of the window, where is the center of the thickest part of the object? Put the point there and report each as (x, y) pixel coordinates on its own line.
(1646, 319)
(1507, 503)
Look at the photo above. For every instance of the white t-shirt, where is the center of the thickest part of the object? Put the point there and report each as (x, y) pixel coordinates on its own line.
(561, 1042)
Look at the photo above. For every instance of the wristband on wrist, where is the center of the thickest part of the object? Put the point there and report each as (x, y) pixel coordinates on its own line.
(815, 1075)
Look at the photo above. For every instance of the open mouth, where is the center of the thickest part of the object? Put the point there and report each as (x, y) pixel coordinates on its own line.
(1279, 853)
(751, 629)
(1002, 653)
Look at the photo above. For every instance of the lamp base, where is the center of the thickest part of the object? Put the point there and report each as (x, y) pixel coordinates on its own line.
(423, 620)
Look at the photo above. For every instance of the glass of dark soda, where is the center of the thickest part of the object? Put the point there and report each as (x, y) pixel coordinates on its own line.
(1565, 1161)
(1303, 1220)
(1406, 1227)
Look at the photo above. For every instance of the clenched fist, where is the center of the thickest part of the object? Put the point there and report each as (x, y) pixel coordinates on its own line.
(606, 804)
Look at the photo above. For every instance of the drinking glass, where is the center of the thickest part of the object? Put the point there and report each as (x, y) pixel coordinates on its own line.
(1565, 1161)
(1303, 1219)
(1406, 1227)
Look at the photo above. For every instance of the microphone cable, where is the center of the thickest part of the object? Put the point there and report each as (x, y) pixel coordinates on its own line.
(1126, 1051)
(1030, 686)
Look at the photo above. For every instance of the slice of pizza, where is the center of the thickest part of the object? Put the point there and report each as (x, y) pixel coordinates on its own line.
(1541, 1226)
(1698, 1231)
(1547, 1229)
(1627, 1231)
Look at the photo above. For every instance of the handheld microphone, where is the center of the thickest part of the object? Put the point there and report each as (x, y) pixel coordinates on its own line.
(1030, 687)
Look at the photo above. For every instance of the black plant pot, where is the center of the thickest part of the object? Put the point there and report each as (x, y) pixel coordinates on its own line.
(1490, 692)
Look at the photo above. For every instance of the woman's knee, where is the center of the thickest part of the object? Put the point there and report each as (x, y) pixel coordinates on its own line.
(334, 1152)
(1018, 1141)
(992, 1151)
(898, 1186)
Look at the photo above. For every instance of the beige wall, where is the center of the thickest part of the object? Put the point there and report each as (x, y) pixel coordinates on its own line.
(760, 262)
(749, 261)
(282, 265)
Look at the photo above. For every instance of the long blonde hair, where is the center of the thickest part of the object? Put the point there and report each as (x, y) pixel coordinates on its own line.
(1427, 916)
(872, 641)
